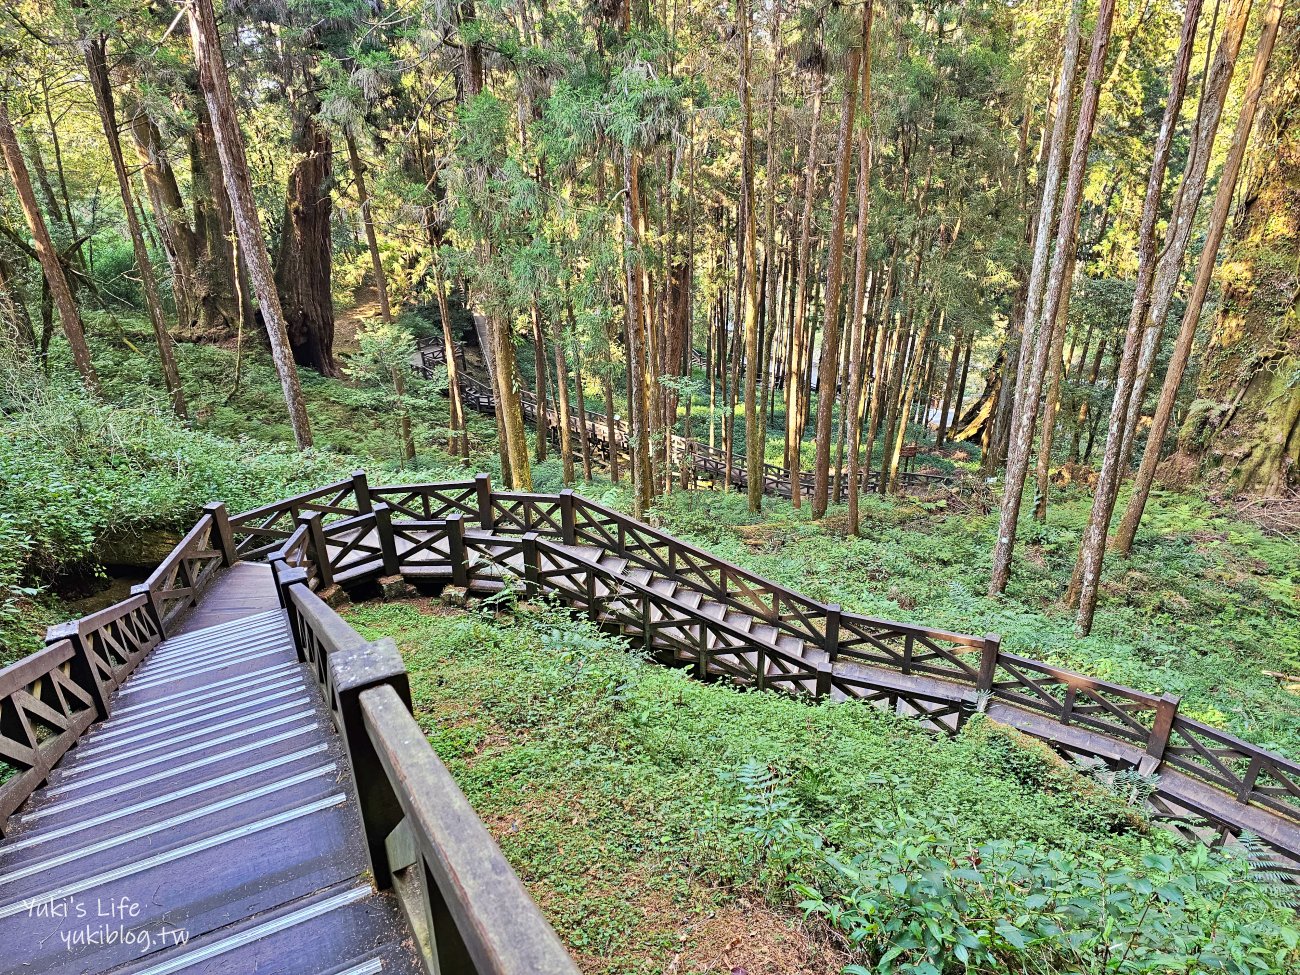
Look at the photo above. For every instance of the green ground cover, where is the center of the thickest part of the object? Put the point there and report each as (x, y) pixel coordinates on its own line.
(669, 825)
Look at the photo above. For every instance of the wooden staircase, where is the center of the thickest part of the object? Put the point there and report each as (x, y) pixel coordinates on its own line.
(209, 825)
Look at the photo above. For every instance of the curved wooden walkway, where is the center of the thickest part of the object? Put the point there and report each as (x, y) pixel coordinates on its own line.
(702, 463)
(693, 609)
(219, 775)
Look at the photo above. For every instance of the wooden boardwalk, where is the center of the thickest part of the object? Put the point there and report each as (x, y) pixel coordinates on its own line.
(219, 775)
(207, 826)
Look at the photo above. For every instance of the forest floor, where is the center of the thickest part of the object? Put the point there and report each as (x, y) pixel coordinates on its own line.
(650, 815)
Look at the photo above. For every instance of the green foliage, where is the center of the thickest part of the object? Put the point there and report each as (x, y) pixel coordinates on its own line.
(635, 802)
(926, 903)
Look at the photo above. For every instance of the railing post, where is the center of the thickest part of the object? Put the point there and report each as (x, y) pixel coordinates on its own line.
(988, 661)
(318, 547)
(483, 488)
(529, 546)
(82, 669)
(456, 549)
(155, 611)
(1248, 780)
(285, 578)
(1166, 711)
(568, 517)
(387, 541)
(222, 536)
(276, 564)
(824, 673)
(354, 670)
(832, 642)
(361, 491)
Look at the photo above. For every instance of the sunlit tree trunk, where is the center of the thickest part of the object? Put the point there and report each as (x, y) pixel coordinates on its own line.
(828, 368)
(1086, 579)
(368, 223)
(800, 348)
(215, 85)
(1033, 350)
(1182, 222)
(1204, 276)
(749, 305)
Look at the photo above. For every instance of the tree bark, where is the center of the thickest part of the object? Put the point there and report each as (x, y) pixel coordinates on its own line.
(636, 393)
(828, 367)
(60, 293)
(1182, 221)
(96, 55)
(1086, 579)
(214, 82)
(458, 436)
(1052, 397)
(753, 443)
(368, 223)
(1204, 277)
(1039, 315)
(794, 383)
(304, 266)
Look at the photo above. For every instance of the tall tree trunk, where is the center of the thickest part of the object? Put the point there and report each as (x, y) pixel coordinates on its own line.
(223, 291)
(1040, 314)
(458, 436)
(304, 266)
(949, 386)
(799, 346)
(96, 53)
(562, 402)
(771, 311)
(1086, 579)
(367, 221)
(1204, 277)
(580, 395)
(69, 316)
(1052, 397)
(540, 396)
(1182, 221)
(512, 414)
(828, 367)
(215, 85)
(749, 306)
(169, 214)
(636, 393)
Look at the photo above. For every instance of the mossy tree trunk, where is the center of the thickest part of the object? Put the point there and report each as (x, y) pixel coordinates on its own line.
(1247, 417)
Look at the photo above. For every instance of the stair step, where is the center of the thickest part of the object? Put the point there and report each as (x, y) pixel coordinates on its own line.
(666, 587)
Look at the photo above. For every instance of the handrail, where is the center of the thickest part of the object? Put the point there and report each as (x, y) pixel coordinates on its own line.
(52, 685)
(467, 908)
(360, 540)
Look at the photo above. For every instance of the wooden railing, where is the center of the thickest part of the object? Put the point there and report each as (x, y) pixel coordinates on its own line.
(50, 697)
(465, 533)
(467, 909)
(471, 535)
